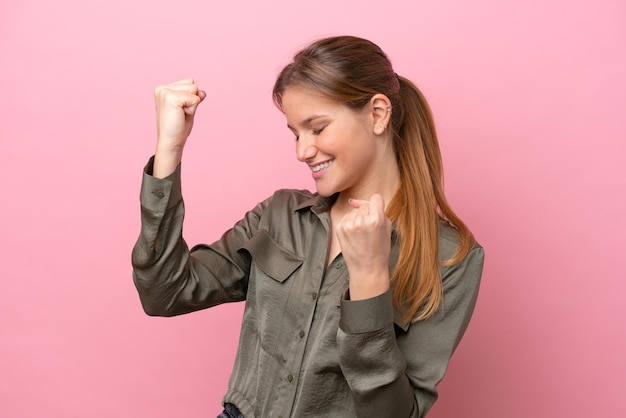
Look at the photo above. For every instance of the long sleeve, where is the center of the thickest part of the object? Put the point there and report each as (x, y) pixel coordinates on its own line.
(303, 350)
(171, 279)
(393, 371)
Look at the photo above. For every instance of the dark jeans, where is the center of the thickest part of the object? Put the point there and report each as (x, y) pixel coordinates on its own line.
(230, 411)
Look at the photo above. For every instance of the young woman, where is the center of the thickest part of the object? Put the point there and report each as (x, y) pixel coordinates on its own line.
(357, 295)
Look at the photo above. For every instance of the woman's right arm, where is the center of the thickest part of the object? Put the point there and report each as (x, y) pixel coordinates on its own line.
(169, 278)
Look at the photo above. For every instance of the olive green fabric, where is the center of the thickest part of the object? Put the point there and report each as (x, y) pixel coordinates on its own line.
(305, 349)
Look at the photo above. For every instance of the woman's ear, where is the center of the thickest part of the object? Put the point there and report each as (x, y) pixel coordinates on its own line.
(380, 106)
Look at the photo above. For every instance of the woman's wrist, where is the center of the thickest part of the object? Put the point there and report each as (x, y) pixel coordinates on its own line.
(365, 286)
(166, 161)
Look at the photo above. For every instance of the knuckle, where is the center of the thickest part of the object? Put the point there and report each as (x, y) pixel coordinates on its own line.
(160, 88)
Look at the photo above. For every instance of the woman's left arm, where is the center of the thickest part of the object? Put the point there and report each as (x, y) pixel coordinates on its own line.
(392, 370)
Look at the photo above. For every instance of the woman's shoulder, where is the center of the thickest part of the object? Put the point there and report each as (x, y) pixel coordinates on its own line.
(449, 240)
(292, 196)
(293, 199)
(295, 193)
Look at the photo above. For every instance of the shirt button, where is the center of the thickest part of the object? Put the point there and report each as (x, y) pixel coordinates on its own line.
(314, 296)
(290, 378)
(338, 265)
(301, 334)
(160, 194)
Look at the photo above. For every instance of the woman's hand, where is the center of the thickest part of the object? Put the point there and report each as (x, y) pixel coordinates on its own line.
(365, 239)
(176, 105)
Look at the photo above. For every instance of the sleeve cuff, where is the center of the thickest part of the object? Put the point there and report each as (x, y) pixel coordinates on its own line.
(360, 316)
(160, 194)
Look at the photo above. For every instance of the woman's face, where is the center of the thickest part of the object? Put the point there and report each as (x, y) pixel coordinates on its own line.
(337, 143)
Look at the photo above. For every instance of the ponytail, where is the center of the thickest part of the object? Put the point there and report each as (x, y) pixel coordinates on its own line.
(418, 206)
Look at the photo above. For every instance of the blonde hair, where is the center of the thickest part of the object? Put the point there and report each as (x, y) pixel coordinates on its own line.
(351, 71)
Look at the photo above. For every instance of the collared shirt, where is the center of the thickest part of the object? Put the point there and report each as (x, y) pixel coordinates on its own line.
(305, 350)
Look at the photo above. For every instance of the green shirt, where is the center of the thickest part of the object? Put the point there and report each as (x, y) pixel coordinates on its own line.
(305, 350)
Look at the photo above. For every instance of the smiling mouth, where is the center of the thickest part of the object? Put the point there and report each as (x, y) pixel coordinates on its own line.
(321, 166)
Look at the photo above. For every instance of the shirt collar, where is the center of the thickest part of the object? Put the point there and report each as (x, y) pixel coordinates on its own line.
(320, 204)
(317, 203)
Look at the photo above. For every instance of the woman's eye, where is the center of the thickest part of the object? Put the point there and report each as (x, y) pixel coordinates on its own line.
(318, 131)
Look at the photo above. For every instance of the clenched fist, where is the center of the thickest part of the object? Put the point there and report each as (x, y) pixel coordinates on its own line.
(176, 105)
(365, 239)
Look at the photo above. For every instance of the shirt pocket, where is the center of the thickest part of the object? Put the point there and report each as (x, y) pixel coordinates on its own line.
(270, 257)
(272, 288)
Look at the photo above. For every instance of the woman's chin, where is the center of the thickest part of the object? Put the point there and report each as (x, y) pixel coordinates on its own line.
(325, 191)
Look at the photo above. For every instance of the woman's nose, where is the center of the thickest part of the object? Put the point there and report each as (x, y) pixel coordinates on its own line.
(305, 148)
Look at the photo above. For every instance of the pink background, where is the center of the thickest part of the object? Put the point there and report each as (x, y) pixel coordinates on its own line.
(530, 102)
